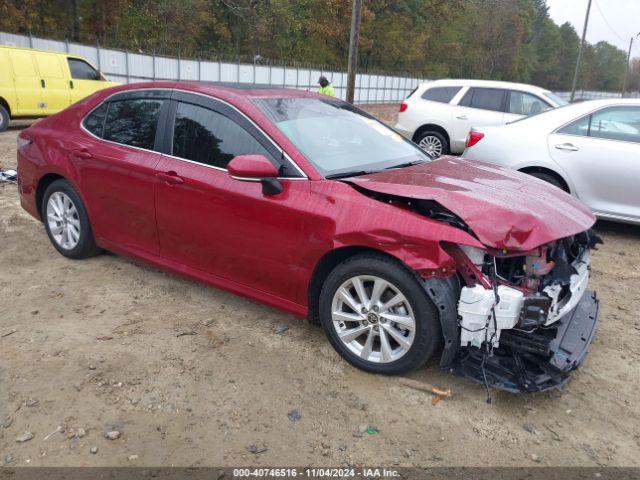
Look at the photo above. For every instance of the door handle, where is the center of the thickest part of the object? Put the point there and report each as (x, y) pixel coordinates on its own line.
(170, 178)
(567, 146)
(462, 117)
(82, 153)
(71, 84)
(42, 83)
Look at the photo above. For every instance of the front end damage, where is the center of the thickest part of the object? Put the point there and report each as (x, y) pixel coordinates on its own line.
(518, 322)
(517, 314)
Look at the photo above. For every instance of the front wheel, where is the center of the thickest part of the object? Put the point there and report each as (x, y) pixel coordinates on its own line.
(377, 315)
(66, 221)
(4, 119)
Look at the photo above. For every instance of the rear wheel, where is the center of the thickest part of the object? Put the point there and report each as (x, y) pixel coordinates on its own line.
(4, 118)
(378, 316)
(66, 221)
(433, 143)
(549, 179)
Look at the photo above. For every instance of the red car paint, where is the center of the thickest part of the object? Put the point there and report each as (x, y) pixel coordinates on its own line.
(504, 209)
(203, 223)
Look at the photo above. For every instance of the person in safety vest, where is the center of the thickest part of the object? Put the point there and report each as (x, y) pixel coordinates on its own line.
(325, 87)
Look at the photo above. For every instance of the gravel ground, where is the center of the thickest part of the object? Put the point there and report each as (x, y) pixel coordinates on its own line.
(96, 348)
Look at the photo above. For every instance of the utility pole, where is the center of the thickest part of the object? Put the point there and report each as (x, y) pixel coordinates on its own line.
(626, 72)
(353, 49)
(584, 34)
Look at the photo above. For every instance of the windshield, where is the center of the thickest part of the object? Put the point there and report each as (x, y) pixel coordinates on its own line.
(555, 99)
(337, 138)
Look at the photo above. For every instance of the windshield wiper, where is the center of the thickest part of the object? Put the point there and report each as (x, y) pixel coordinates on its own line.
(408, 164)
(350, 174)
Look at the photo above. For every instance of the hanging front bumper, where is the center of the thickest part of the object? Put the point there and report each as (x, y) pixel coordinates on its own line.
(534, 361)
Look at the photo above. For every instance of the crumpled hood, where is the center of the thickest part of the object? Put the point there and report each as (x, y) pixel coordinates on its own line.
(504, 208)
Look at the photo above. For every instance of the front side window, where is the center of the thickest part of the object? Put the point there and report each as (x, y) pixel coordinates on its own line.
(337, 138)
(210, 138)
(133, 122)
(521, 103)
(440, 94)
(617, 123)
(95, 120)
(81, 70)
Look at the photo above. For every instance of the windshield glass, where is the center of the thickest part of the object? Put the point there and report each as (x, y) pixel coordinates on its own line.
(556, 99)
(338, 138)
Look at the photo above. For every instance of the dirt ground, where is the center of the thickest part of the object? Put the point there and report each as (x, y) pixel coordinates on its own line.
(96, 347)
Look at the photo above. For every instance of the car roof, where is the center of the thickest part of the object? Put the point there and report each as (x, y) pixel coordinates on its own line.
(227, 90)
(463, 82)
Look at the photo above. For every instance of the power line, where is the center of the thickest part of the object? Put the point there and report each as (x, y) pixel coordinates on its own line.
(607, 22)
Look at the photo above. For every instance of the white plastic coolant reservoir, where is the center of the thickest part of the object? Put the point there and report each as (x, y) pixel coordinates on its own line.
(477, 322)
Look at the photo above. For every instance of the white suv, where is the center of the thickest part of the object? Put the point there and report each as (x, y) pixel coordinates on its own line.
(438, 115)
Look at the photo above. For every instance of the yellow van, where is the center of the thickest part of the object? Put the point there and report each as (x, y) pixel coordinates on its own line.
(35, 83)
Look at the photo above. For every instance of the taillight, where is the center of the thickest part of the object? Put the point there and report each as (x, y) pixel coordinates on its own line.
(473, 138)
(23, 142)
(403, 107)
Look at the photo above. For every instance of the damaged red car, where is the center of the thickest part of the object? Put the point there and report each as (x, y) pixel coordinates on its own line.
(310, 205)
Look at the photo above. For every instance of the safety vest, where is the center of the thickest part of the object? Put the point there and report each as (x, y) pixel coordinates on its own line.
(328, 90)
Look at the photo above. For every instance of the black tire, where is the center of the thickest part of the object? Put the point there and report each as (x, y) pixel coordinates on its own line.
(427, 336)
(86, 245)
(435, 136)
(4, 118)
(549, 179)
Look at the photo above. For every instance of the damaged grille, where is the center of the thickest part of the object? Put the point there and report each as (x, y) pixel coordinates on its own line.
(551, 264)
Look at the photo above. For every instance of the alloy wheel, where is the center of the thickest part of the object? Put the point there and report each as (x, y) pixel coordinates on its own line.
(63, 220)
(373, 319)
(431, 145)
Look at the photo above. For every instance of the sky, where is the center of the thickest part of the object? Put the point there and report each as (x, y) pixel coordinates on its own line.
(614, 21)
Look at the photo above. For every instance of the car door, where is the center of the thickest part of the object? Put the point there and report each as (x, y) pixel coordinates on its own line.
(210, 221)
(26, 82)
(601, 154)
(53, 81)
(84, 79)
(478, 107)
(522, 104)
(117, 162)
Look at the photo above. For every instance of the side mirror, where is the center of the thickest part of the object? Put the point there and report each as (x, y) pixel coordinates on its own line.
(256, 168)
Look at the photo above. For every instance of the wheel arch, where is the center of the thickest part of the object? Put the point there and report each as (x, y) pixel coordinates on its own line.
(42, 186)
(433, 128)
(5, 104)
(548, 171)
(325, 266)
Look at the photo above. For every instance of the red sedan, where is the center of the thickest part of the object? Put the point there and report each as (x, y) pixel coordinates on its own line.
(311, 205)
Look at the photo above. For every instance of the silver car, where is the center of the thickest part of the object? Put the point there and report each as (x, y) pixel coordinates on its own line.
(589, 149)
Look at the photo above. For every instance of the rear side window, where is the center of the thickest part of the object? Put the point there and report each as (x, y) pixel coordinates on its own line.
(210, 138)
(440, 94)
(617, 123)
(133, 122)
(614, 123)
(81, 70)
(487, 98)
(95, 121)
(579, 127)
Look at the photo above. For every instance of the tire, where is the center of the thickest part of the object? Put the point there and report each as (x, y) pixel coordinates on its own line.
(419, 345)
(4, 118)
(70, 233)
(433, 143)
(549, 179)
